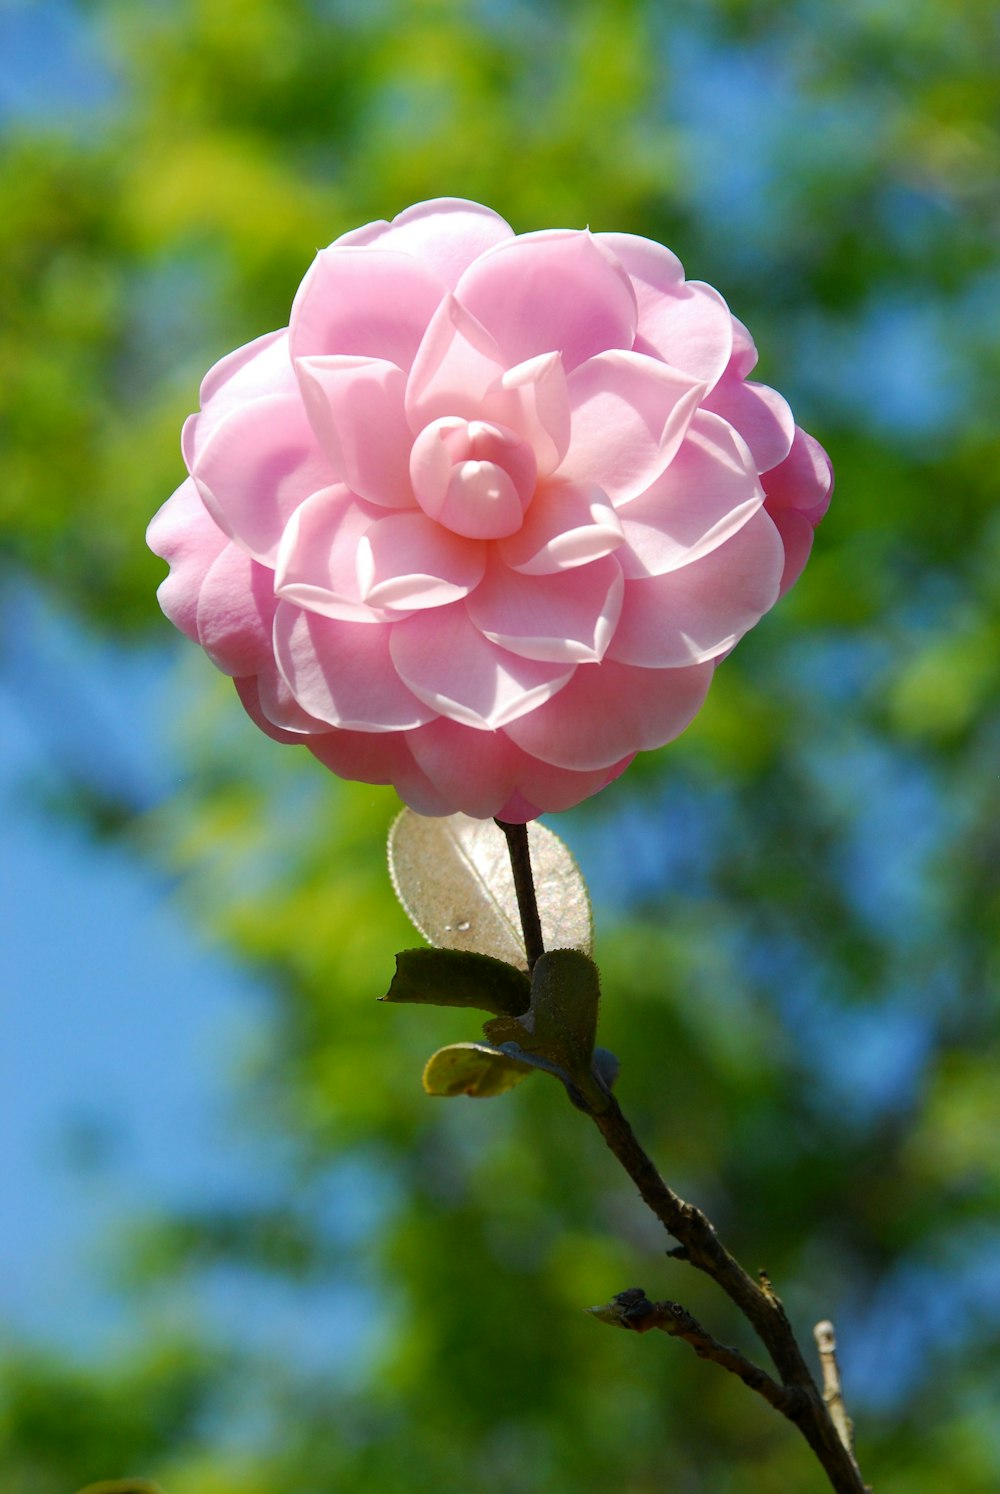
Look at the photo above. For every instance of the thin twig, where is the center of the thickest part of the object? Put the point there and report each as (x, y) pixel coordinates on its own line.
(524, 886)
(833, 1395)
(632, 1309)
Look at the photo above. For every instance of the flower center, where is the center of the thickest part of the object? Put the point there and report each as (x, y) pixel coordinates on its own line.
(474, 477)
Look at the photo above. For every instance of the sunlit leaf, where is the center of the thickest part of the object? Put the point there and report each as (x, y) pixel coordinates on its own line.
(473, 1069)
(453, 877)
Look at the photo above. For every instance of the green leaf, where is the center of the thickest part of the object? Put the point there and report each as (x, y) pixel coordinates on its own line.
(560, 1025)
(452, 977)
(453, 878)
(472, 1069)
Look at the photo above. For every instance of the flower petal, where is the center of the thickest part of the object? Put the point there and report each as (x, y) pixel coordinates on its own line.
(446, 234)
(708, 492)
(279, 707)
(760, 415)
(257, 466)
(380, 757)
(341, 672)
(568, 524)
(445, 660)
(608, 711)
(566, 617)
(629, 416)
(691, 329)
(184, 534)
(317, 559)
(532, 398)
(371, 302)
(260, 367)
(248, 691)
(686, 323)
(355, 406)
(236, 613)
(803, 481)
(455, 364)
(407, 561)
(697, 612)
(481, 772)
(556, 291)
(797, 534)
(654, 270)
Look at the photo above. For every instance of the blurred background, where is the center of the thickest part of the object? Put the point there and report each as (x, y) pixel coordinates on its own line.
(241, 1252)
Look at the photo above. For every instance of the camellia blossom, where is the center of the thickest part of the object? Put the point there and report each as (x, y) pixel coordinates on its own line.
(481, 522)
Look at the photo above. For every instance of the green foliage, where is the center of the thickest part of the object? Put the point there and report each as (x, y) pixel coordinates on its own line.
(816, 854)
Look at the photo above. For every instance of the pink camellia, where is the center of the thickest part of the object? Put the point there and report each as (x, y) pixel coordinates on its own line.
(482, 521)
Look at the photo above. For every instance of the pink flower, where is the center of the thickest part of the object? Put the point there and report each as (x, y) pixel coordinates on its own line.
(481, 522)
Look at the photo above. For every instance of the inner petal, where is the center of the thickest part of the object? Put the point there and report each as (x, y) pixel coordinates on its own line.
(448, 664)
(475, 478)
(407, 561)
(568, 616)
(567, 525)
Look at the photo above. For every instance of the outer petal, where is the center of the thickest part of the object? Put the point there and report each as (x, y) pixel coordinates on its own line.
(276, 704)
(341, 672)
(608, 711)
(258, 465)
(481, 772)
(372, 302)
(798, 495)
(630, 414)
(317, 559)
(687, 323)
(355, 406)
(797, 535)
(551, 292)
(804, 480)
(567, 617)
(446, 661)
(384, 757)
(654, 270)
(456, 363)
(693, 330)
(696, 613)
(407, 561)
(568, 524)
(532, 398)
(184, 534)
(247, 690)
(236, 613)
(261, 367)
(446, 234)
(708, 492)
(760, 415)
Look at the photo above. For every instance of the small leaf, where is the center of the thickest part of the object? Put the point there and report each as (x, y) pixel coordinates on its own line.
(558, 1029)
(452, 977)
(453, 878)
(561, 1022)
(472, 1069)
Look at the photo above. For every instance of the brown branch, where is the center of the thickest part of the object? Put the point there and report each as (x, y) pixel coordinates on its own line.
(632, 1309)
(756, 1299)
(798, 1396)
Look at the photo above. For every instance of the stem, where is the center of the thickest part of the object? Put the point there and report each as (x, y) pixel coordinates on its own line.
(756, 1300)
(524, 886)
(802, 1403)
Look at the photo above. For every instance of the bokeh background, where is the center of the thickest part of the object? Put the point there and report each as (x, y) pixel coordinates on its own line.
(241, 1252)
